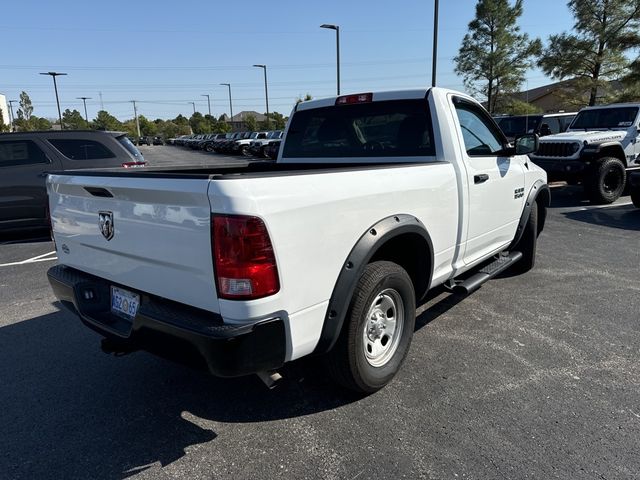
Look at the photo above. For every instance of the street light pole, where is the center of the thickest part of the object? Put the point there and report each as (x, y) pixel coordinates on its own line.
(84, 100)
(337, 29)
(194, 107)
(135, 113)
(11, 117)
(266, 92)
(55, 87)
(435, 45)
(208, 101)
(230, 104)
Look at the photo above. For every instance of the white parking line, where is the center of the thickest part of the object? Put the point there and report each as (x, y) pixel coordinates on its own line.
(594, 207)
(39, 258)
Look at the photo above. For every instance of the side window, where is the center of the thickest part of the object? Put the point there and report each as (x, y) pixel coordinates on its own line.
(565, 122)
(81, 149)
(479, 134)
(553, 124)
(20, 152)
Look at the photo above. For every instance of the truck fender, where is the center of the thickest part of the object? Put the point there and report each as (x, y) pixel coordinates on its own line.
(592, 152)
(361, 254)
(539, 188)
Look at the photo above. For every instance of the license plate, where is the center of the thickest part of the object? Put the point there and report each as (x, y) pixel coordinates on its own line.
(124, 303)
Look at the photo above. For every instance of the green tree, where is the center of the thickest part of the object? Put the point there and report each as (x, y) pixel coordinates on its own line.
(147, 127)
(105, 121)
(278, 120)
(26, 107)
(72, 119)
(494, 55)
(198, 123)
(40, 123)
(306, 98)
(631, 84)
(603, 32)
(250, 122)
(511, 106)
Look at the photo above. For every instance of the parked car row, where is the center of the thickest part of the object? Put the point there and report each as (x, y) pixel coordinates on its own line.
(147, 140)
(258, 144)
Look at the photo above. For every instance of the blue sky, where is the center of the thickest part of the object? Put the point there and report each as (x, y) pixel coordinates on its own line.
(167, 56)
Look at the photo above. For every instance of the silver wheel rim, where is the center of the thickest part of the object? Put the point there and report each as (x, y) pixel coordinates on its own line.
(383, 327)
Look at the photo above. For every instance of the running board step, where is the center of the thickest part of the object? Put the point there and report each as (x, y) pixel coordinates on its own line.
(487, 272)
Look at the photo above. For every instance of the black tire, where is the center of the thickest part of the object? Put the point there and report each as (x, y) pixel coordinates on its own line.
(208, 148)
(263, 153)
(635, 196)
(605, 181)
(347, 362)
(528, 243)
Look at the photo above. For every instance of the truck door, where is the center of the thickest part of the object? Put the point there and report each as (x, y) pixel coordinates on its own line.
(23, 194)
(496, 182)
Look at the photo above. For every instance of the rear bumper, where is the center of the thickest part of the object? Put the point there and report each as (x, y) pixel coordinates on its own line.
(172, 330)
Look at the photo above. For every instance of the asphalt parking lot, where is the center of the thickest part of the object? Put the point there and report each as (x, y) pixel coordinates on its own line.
(533, 376)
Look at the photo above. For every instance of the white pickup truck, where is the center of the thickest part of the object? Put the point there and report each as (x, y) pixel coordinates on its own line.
(375, 198)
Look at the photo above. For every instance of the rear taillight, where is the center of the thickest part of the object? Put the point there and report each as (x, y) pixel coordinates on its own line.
(245, 264)
(133, 164)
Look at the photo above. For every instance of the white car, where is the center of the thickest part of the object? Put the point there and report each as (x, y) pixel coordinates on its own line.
(375, 198)
(598, 150)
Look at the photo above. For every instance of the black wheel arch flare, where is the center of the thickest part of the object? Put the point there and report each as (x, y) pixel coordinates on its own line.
(539, 189)
(361, 254)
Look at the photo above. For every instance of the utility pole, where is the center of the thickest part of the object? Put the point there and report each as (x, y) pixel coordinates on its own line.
(435, 45)
(84, 100)
(101, 102)
(135, 112)
(55, 87)
(194, 107)
(230, 104)
(11, 117)
(208, 101)
(266, 92)
(337, 29)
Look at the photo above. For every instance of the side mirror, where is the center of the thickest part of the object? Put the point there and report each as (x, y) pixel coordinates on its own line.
(527, 143)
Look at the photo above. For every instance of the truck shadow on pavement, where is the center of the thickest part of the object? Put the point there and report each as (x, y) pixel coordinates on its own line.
(25, 236)
(71, 411)
(626, 217)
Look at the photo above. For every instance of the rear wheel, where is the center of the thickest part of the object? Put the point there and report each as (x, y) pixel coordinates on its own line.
(606, 180)
(378, 329)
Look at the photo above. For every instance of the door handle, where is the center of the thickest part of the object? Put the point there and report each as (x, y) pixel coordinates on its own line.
(483, 177)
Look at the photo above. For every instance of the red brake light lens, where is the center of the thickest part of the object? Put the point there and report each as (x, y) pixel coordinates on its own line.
(357, 98)
(133, 164)
(245, 264)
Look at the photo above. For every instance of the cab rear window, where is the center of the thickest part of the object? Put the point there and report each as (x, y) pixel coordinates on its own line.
(396, 128)
(81, 149)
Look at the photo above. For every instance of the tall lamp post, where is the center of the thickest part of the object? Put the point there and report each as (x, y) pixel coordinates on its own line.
(435, 44)
(84, 100)
(208, 101)
(230, 104)
(135, 113)
(337, 29)
(55, 87)
(11, 117)
(266, 92)
(194, 107)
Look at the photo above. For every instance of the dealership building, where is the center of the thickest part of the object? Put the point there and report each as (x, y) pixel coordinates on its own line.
(5, 109)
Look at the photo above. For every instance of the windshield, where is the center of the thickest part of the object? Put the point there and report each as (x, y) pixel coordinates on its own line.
(512, 126)
(275, 134)
(131, 148)
(615, 117)
(254, 135)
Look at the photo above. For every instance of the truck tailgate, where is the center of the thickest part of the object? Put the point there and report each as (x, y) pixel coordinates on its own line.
(161, 241)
